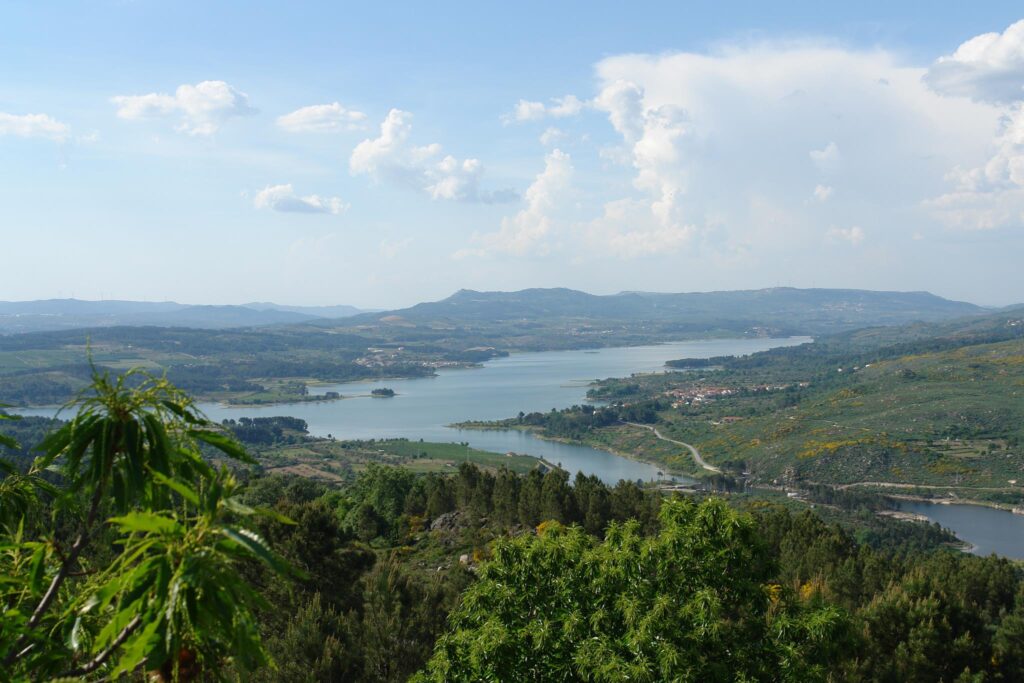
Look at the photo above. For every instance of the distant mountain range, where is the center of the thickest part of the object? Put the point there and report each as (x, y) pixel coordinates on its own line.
(780, 309)
(66, 314)
(808, 311)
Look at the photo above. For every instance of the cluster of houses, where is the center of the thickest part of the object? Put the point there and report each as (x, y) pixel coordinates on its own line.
(697, 394)
(383, 358)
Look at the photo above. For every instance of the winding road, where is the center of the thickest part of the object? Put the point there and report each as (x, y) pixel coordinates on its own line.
(693, 451)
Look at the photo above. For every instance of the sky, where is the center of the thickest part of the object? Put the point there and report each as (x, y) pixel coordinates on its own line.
(382, 154)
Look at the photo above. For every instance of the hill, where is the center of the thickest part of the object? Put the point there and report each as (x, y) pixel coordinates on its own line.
(777, 310)
(937, 405)
(315, 311)
(46, 315)
(225, 352)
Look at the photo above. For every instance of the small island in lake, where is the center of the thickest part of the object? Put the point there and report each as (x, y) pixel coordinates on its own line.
(383, 392)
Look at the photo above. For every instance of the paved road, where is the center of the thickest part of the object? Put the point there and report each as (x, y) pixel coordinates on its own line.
(693, 451)
(894, 485)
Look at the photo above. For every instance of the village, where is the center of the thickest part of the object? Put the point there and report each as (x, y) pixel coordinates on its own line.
(698, 393)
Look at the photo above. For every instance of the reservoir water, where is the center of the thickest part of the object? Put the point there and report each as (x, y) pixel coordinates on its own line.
(423, 407)
(988, 530)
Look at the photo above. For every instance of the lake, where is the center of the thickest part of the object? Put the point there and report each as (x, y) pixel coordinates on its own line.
(423, 407)
(987, 529)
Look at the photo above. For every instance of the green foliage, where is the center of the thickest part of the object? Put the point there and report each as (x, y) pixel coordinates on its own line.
(693, 603)
(139, 568)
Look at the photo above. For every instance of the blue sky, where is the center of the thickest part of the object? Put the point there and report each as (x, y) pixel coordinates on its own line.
(318, 153)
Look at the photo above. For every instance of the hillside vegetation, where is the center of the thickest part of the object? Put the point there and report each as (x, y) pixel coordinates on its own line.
(937, 405)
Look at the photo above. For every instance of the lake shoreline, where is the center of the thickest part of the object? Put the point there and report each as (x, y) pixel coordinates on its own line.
(537, 434)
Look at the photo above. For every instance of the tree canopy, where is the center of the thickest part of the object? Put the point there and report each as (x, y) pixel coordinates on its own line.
(692, 603)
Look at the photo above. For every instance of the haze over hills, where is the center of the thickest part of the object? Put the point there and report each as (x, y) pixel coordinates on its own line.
(809, 311)
(340, 311)
(66, 314)
(782, 309)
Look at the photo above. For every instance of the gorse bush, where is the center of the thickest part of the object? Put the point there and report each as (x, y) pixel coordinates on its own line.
(120, 548)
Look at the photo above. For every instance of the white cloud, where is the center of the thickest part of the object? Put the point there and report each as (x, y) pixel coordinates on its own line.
(34, 126)
(391, 156)
(551, 136)
(526, 110)
(201, 108)
(283, 198)
(622, 100)
(853, 236)
(570, 105)
(657, 139)
(718, 144)
(822, 193)
(527, 232)
(322, 118)
(988, 67)
(710, 140)
(973, 210)
(828, 158)
(629, 228)
(560, 107)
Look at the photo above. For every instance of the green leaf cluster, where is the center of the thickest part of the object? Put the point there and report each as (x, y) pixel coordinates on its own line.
(121, 548)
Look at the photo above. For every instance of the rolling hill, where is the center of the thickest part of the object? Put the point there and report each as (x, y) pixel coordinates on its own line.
(807, 311)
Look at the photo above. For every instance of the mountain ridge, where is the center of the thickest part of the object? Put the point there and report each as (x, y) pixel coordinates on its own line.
(793, 309)
(48, 315)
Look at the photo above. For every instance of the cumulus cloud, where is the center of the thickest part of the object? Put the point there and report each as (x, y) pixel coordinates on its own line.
(622, 100)
(852, 236)
(391, 156)
(201, 109)
(560, 107)
(711, 140)
(988, 67)
(629, 228)
(322, 118)
(551, 136)
(827, 158)
(34, 126)
(528, 230)
(720, 148)
(822, 193)
(979, 210)
(283, 198)
(657, 138)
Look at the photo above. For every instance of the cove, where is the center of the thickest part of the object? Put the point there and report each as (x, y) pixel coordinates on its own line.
(988, 530)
